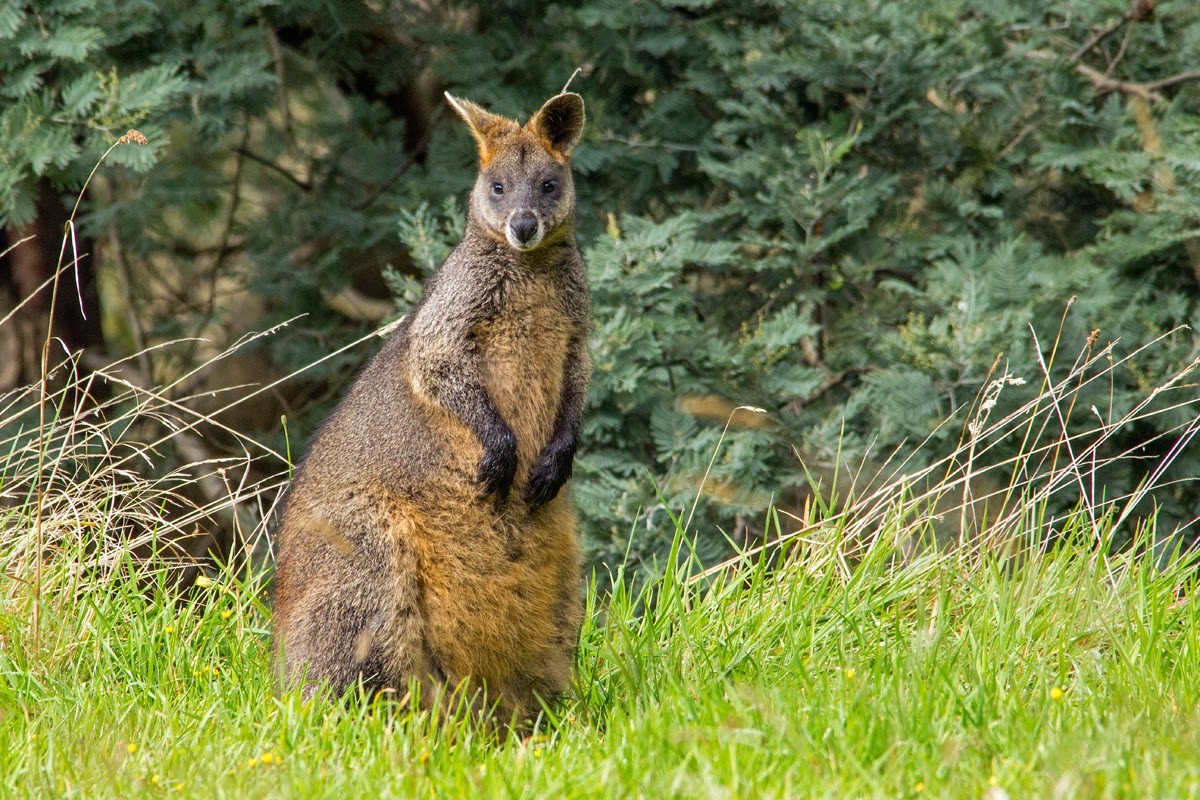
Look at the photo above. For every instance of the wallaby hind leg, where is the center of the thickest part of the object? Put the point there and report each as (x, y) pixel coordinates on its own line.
(548, 678)
(547, 674)
(359, 618)
(551, 675)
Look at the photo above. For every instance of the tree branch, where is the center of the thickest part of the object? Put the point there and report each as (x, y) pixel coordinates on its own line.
(1100, 35)
(271, 165)
(1104, 84)
(1182, 77)
(1139, 10)
(280, 77)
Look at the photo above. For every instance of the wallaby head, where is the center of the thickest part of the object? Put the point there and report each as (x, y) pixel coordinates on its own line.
(524, 195)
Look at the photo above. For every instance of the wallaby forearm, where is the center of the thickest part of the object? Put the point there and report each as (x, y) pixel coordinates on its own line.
(577, 367)
(468, 400)
(444, 368)
(443, 364)
(555, 462)
(574, 394)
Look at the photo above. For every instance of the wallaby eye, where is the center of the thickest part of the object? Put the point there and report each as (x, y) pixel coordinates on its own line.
(549, 186)
(497, 188)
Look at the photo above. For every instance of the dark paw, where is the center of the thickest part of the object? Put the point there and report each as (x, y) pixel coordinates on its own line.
(497, 467)
(548, 475)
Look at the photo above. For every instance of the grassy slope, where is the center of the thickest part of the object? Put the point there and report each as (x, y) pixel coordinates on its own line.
(938, 677)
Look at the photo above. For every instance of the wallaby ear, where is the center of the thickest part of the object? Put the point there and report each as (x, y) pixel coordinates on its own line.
(560, 122)
(486, 127)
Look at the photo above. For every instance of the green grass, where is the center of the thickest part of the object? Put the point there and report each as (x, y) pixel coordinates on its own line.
(938, 675)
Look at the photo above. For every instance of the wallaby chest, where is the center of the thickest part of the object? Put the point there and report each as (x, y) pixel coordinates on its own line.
(523, 349)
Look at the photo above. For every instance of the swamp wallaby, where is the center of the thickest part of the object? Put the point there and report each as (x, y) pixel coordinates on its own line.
(428, 534)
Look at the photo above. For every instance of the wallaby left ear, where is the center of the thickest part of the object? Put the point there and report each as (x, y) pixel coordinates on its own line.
(487, 128)
(560, 122)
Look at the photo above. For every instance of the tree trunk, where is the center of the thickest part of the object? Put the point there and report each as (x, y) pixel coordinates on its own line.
(25, 268)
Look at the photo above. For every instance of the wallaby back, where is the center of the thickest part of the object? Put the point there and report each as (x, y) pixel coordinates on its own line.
(427, 536)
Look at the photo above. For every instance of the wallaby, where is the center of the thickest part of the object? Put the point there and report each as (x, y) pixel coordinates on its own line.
(428, 534)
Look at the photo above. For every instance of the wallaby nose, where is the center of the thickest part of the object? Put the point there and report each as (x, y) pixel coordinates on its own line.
(523, 226)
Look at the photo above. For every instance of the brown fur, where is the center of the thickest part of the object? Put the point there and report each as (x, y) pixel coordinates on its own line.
(429, 535)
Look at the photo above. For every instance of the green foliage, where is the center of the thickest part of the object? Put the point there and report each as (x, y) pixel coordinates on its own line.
(840, 212)
(77, 75)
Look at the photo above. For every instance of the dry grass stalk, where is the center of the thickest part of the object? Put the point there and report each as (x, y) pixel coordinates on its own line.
(1054, 460)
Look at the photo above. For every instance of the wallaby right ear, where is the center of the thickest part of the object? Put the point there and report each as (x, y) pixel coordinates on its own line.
(560, 122)
(486, 127)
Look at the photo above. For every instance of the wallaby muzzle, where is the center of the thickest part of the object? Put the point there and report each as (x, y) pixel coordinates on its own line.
(523, 229)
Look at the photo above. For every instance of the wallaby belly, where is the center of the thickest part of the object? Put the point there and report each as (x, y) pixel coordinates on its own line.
(501, 595)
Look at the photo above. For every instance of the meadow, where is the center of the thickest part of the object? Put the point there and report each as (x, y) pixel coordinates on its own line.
(1067, 674)
(858, 653)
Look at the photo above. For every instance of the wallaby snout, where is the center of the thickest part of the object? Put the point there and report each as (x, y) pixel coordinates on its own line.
(523, 229)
